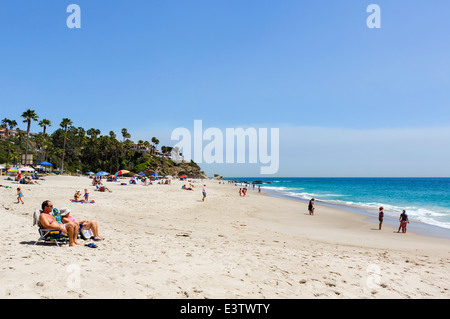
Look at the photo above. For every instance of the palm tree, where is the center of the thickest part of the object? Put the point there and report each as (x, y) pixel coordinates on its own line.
(5, 123)
(12, 124)
(28, 116)
(125, 134)
(64, 124)
(18, 139)
(44, 123)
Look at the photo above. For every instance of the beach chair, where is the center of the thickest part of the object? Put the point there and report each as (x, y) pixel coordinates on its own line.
(100, 188)
(48, 235)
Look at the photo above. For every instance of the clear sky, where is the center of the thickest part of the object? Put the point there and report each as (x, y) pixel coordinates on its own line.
(348, 100)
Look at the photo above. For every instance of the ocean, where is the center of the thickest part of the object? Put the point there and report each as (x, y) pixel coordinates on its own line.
(425, 199)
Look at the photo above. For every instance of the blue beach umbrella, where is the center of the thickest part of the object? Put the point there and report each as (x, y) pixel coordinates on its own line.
(101, 174)
(45, 164)
(90, 173)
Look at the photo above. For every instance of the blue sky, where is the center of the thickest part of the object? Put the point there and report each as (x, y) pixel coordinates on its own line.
(301, 66)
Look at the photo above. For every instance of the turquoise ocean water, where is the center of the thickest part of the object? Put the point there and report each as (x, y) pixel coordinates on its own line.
(425, 199)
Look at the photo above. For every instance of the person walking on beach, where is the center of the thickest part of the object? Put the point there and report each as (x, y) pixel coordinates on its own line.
(259, 189)
(19, 195)
(240, 191)
(380, 216)
(204, 192)
(311, 206)
(403, 221)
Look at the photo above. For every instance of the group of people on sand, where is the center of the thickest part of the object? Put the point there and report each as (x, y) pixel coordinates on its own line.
(77, 197)
(403, 219)
(69, 225)
(191, 188)
(243, 191)
(187, 188)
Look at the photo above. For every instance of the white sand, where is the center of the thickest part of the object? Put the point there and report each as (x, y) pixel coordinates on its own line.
(164, 242)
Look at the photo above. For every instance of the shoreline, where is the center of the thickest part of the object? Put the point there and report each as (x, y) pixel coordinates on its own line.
(420, 227)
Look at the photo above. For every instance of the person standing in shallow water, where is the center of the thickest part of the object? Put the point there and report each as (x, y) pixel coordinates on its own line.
(380, 217)
(311, 206)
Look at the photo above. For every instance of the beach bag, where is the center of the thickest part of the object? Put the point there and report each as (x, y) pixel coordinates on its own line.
(85, 234)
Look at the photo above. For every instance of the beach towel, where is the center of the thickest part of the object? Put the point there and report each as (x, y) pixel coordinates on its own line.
(92, 201)
(36, 215)
(57, 215)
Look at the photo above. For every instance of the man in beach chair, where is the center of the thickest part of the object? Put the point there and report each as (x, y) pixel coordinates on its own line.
(53, 235)
(49, 224)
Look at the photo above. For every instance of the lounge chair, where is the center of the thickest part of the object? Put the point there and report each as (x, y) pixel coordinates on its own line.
(48, 235)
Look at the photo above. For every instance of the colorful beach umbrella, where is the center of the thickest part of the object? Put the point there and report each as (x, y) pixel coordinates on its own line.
(12, 169)
(122, 171)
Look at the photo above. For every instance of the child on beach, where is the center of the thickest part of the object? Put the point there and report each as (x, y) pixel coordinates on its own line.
(19, 195)
(380, 216)
(86, 196)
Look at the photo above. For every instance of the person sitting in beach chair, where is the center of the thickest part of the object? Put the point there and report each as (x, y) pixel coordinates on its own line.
(54, 235)
(48, 224)
(83, 224)
(100, 187)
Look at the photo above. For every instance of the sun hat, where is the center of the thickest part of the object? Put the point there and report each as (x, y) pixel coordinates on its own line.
(64, 211)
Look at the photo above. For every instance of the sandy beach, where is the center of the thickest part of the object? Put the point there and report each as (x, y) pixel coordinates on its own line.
(164, 242)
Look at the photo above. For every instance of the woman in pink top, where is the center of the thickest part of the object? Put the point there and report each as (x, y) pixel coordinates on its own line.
(85, 224)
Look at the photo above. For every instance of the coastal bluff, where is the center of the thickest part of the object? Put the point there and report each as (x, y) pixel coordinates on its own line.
(165, 167)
